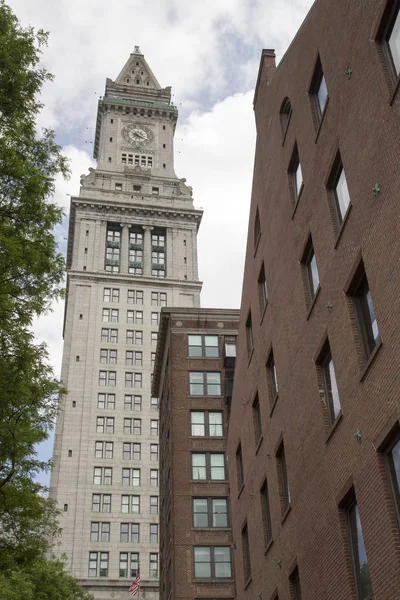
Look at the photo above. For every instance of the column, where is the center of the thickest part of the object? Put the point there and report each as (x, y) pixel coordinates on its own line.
(124, 258)
(100, 241)
(147, 250)
(169, 248)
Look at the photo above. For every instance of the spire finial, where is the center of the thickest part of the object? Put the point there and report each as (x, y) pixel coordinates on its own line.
(137, 50)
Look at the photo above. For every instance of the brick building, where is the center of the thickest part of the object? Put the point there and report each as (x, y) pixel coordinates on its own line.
(193, 376)
(313, 448)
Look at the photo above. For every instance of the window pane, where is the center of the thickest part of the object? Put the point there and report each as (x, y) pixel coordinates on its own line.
(199, 466)
(222, 558)
(213, 384)
(211, 345)
(202, 562)
(322, 94)
(196, 383)
(342, 194)
(217, 462)
(394, 44)
(215, 423)
(194, 345)
(219, 512)
(198, 427)
(298, 179)
(200, 512)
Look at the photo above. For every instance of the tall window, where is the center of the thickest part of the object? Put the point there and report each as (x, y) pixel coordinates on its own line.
(154, 505)
(153, 565)
(390, 39)
(319, 91)
(135, 251)
(366, 319)
(294, 580)
(113, 249)
(257, 228)
(309, 263)
(393, 464)
(266, 513)
(358, 553)
(330, 386)
(203, 345)
(285, 115)
(246, 554)
(128, 564)
(257, 420)
(249, 335)
(204, 383)
(158, 258)
(283, 479)
(272, 379)
(212, 562)
(239, 468)
(210, 512)
(153, 533)
(295, 176)
(339, 191)
(262, 290)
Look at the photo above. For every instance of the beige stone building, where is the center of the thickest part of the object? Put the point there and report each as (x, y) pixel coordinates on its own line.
(132, 248)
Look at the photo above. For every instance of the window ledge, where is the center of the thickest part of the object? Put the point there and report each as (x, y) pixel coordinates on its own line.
(211, 529)
(269, 546)
(248, 582)
(321, 120)
(259, 444)
(335, 424)
(297, 200)
(274, 404)
(213, 580)
(213, 481)
(263, 312)
(285, 514)
(314, 300)
(207, 437)
(241, 490)
(346, 216)
(203, 357)
(371, 359)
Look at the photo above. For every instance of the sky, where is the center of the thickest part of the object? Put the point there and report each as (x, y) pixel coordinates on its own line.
(209, 52)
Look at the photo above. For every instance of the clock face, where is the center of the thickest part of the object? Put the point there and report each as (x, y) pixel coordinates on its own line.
(137, 135)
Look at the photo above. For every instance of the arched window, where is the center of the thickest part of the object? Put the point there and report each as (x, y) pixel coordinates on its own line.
(285, 114)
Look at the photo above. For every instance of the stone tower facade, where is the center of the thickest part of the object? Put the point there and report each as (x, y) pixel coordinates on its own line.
(132, 248)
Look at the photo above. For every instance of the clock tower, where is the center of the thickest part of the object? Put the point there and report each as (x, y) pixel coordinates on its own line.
(132, 248)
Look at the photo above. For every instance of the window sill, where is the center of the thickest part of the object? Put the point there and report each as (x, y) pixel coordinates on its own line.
(207, 437)
(248, 582)
(335, 424)
(203, 357)
(213, 580)
(269, 546)
(211, 529)
(346, 216)
(259, 444)
(285, 514)
(314, 300)
(371, 359)
(297, 201)
(212, 481)
(274, 404)
(241, 490)
(263, 312)
(321, 120)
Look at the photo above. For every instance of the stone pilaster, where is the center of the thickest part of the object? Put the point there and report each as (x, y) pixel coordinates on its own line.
(147, 250)
(124, 260)
(101, 238)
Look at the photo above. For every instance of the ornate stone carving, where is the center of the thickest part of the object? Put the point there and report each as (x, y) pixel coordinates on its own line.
(89, 180)
(183, 189)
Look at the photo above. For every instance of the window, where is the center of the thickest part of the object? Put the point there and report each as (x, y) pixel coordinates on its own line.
(365, 311)
(133, 528)
(203, 345)
(331, 393)
(154, 505)
(107, 378)
(131, 477)
(101, 503)
(96, 558)
(230, 342)
(208, 466)
(206, 423)
(111, 295)
(108, 356)
(134, 337)
(133, 426)
(295, 176)
(154, 404)
(132, 402)
(155, 191)
(153, 360)
(210, 512)
(204, 384)
(109, 335)
(294, 581)
(309, 263)
(393, 464)
(319, 91)
(249, 336)
(257, 420)
(102, 475)
(134, 316)
(128, 564)
(130, 504)
(110, 314)
(212, 562)
(153, 477)
(133, 380)
(137, 188)
(362, 577)
(154, 427)
(153, 537)
(266, 514)
(158, 299)
(285, 114)
(154, 336)
(131, 451)
(154, 452)
(239, 468)
(283, 479)
(135, 297)
(153, 565)
(105, 424)
(246, 554)
(339, 192)
(257, 229)
(391, 39)
(113, 249)
(133, 358)
(272, 380)
(103, 449)
(106, 401)
(94, 532)
(262, 290)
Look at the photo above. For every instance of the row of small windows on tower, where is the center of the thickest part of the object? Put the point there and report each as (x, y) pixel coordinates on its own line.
(130, 504)
(132, 402)
(109, 378)
(155, 190)
(100, 531)
(130, 450)
(132, 316)
(129, 477)
(129, 426)
(132, 357)
(135, 296)
(128, 564)
(388, 39)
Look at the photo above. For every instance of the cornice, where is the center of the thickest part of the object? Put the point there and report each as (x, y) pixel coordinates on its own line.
(142, 281)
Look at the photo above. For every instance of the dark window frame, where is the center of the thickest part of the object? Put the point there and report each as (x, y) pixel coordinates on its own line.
(208, 467)
(390, 16)
(294, 582)
(239, 467)
(246, 560)
(353, 536)
(272, 378)
(210, 513)
(203, 347)
(212, 563)
(266, 513)
(257, 420)
(249, 335)
(285, 114)
(332, 184)
(306, 262)
(358, 292)
(262, 289)
(207, 423)
(292, 173)
(284, 490)
(318, 76)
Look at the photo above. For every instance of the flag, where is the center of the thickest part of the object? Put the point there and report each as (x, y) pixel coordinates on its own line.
(135, 585)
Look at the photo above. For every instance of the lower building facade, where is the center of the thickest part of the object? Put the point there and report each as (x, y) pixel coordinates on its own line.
(193, 376)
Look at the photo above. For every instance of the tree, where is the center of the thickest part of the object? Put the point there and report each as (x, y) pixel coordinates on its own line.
(31, 276)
